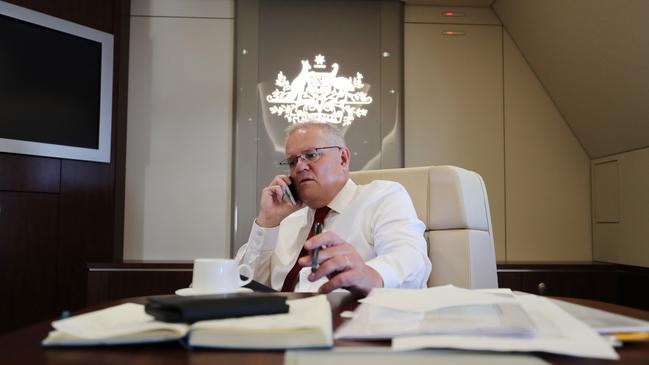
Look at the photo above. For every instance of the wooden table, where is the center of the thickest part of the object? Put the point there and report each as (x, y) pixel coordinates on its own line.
(23, 346)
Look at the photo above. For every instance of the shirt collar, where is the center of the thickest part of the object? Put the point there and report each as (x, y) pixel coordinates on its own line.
(344, 196)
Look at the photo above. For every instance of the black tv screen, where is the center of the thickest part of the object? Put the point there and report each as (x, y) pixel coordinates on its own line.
(55, 93)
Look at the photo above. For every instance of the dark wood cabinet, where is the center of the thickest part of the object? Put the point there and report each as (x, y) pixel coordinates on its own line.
(612, 283)
(109, 281)
(634, 287)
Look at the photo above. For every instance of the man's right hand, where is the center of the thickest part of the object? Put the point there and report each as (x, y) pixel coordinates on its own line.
(272, 207)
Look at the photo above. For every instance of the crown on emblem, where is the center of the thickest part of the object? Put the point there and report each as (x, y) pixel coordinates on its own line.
(319, 61)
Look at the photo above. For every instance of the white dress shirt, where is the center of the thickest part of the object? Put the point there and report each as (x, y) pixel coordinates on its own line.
(377, 219)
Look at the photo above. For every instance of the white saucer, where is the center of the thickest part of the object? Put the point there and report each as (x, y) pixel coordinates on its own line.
(190, 291)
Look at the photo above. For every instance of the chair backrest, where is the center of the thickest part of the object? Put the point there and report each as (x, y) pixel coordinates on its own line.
(452, 202)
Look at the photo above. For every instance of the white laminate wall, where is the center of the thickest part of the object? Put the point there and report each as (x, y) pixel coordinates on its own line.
(473, 101)
(547, 171)
(179, 144)
(621, 202)
(454, 105)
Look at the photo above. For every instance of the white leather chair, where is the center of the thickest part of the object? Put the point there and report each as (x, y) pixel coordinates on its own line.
(452, 202)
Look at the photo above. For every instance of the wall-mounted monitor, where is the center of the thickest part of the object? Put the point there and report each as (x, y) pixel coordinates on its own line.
(56, 86)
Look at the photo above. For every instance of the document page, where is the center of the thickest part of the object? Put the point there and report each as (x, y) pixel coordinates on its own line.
(429, 299)
(377, 322)
(602, 321)
(556, 332)
(385, 356)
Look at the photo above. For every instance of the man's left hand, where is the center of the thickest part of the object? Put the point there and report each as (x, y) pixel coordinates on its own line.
(339, 261)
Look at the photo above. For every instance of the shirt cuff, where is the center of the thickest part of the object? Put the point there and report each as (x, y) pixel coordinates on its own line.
(388, 274)
(262, 239)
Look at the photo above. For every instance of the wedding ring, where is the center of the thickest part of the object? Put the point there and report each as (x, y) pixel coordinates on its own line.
(347, 262)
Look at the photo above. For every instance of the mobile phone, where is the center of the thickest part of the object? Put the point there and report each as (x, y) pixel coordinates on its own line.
(291, 194)
(293, 189)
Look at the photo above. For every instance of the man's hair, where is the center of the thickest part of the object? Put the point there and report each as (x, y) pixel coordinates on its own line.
(333, 135)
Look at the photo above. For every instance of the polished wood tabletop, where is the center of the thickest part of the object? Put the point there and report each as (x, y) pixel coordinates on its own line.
(23, 346)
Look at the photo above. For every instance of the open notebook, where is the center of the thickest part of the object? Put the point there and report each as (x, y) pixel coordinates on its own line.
(306, 325)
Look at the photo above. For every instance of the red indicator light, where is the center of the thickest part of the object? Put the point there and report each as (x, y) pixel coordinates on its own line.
(452, 13)
(453, 32)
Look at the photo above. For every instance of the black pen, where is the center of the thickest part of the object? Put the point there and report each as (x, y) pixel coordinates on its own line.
(314, 252)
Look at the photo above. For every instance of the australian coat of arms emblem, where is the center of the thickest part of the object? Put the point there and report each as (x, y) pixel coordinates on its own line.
(320, 94)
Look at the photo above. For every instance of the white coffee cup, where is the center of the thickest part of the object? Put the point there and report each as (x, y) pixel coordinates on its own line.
(219, 276)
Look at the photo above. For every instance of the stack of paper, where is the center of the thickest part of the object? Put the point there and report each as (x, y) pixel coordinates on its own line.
(389, 313)
(450, 317)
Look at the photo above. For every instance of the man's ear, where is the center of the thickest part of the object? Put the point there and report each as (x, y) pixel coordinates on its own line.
(344, 157)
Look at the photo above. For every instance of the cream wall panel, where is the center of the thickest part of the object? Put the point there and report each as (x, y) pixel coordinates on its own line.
(548, 172)
(179, 152)
(454, 106)
(606, 192)
(183, 8)
(626, 242)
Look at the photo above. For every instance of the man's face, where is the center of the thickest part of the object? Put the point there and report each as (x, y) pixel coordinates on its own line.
(317, 182)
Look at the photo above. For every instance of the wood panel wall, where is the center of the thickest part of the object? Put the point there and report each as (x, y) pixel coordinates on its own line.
(56, 215)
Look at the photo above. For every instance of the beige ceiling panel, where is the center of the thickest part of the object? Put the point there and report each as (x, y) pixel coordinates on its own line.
(592, 56)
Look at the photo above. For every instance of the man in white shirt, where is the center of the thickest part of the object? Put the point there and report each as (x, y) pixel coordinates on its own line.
(372, 237)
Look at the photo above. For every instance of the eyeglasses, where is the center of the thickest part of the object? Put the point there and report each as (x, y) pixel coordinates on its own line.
(311, 155)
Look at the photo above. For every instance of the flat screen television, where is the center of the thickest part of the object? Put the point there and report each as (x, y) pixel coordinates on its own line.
(56, 85)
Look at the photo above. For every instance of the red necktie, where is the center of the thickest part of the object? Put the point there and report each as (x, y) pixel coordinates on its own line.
(291, 278)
